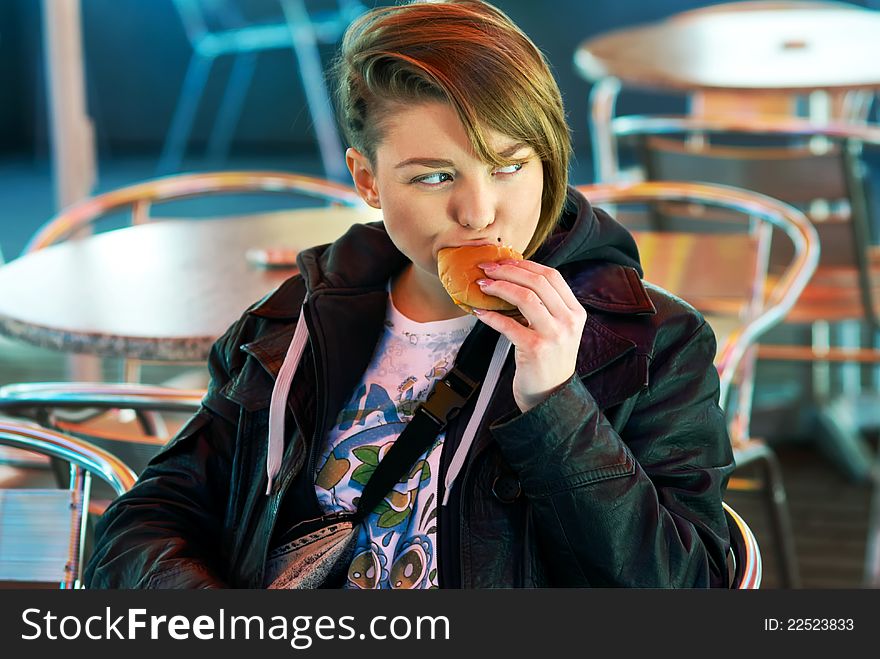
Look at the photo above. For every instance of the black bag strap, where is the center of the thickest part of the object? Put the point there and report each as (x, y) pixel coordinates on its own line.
(446, 398)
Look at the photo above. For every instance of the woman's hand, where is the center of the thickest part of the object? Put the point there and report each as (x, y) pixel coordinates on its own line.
(545, 350)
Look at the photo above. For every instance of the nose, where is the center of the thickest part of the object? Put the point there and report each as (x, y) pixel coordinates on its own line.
(474, 205)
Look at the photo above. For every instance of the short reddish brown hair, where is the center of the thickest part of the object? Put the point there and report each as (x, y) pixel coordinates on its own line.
(466, 53)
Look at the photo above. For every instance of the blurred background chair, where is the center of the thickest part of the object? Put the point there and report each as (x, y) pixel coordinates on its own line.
(43, 530)
(747, 565)
(67, 414)
(724, 273)
(872, 546)
(822, 170)
(139, 198)
(217, 28)
(134, 442)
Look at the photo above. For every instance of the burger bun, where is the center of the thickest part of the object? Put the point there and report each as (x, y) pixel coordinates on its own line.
(459, 272)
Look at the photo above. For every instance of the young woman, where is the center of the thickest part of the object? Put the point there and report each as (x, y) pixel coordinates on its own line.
(602, 454)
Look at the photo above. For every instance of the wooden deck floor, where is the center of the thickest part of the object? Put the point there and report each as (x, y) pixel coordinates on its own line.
(829, 518)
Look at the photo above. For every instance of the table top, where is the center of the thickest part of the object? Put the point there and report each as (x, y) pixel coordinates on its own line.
(159, 291)
(792, 50)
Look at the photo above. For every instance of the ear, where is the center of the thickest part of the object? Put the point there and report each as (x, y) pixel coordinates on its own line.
(363, 177)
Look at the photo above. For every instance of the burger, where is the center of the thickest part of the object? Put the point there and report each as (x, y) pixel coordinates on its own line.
(457, 267)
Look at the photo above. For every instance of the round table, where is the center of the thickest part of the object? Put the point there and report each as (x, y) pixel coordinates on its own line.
(748, 58)
(160, 291)
(750, 49)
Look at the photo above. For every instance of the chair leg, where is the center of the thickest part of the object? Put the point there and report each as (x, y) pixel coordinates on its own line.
(872, 550)
(850, 333)
(185, 113)
(875, 369)
(820, 337)
(308, 57)
(837, 427)
(777, 505)
(231, 106)
(773, 491)
(840, 438)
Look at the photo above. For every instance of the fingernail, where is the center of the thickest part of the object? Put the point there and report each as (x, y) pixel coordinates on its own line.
(483, 282)
(478, 312)
(487, 266)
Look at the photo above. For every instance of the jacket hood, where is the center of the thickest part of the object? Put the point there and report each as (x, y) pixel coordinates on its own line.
(582, 234)
(585, 233)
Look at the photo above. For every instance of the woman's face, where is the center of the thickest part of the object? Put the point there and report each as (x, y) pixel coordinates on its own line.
(435, 192)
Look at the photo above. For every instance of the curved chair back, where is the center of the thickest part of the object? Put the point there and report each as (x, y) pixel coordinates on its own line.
(42, 531)
(745, 554)
(763, 310)
(154, 408)
(28, 395)
(705, 128)
(141, 197)
(819, 168)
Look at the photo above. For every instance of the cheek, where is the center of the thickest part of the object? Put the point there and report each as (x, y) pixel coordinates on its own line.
(409, 231)
(527, 193)
(523, 205)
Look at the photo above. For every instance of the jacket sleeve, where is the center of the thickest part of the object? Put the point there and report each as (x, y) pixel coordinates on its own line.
(641, 508)
(165, 531)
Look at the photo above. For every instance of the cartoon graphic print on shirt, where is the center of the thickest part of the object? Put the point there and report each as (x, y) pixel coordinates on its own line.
(395, 546)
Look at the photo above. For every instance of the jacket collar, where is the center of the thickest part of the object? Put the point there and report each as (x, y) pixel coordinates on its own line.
(595, 254)
(612, 289)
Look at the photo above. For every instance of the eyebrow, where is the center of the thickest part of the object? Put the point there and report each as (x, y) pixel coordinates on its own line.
(440, 162)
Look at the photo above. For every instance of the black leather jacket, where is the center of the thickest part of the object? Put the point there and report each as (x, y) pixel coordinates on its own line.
(615, 480)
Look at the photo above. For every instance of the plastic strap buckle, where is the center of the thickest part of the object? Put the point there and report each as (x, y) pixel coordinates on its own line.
(448, 396)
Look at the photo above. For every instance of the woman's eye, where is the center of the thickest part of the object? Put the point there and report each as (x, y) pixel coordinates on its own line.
(433, 179)
(509, 169)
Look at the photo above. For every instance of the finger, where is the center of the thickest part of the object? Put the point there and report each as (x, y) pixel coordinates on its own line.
(515, 332)
(555, 278)
(538, 283)
(525, 299)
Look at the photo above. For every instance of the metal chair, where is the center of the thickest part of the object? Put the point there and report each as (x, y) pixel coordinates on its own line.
(701, 268)
(872, 546)
(45, 402)
(821, 169)
(746, 565)
(141, 197)
(42, 531)
(217, 28)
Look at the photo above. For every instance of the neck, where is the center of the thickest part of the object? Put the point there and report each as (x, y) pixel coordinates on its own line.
(421, 297)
